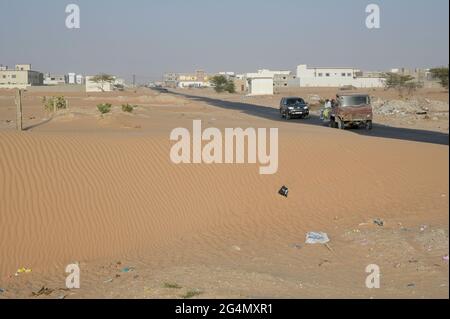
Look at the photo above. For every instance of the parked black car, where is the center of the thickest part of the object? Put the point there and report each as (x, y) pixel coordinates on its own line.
(291, 107)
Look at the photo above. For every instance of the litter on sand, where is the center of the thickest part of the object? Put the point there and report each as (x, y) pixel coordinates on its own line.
(2, 290)
(317, 238)
(378, 222)
(43, 291)
(127, 269)
(284, 191)
(23, 270)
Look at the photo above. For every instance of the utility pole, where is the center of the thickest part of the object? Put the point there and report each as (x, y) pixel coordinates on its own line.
(19, 110)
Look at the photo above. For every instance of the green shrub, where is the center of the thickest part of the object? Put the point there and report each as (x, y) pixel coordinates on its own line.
(104, 108)
(128, 108)
(49, 104)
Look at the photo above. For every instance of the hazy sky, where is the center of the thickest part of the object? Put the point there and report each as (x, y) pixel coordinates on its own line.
(150, 37)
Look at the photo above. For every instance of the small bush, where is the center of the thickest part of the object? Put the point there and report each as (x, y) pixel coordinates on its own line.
(191, 294)
(104, 108)
(128, 108)
(49, 104)
(171, 285)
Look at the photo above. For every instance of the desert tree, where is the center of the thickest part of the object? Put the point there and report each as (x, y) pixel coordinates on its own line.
(440, 74)
(222, 84)
(400, 82)
(101, 79)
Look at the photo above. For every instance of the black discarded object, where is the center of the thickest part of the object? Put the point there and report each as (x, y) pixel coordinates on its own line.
(283, 191)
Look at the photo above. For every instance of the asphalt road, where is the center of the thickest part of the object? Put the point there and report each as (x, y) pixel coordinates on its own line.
(378, 130)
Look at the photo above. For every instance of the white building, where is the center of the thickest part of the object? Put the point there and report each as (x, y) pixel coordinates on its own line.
(71, 78)
(50, 79)
(259, 84)
(335, 77)
(79, 79)
(92, 86)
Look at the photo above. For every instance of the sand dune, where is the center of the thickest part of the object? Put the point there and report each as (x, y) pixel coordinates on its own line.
(71, 197)
(82, 188)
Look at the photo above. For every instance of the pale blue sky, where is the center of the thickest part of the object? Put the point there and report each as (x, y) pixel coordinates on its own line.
(148, 38)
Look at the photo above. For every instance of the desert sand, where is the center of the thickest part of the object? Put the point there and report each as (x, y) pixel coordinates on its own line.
(101, 191)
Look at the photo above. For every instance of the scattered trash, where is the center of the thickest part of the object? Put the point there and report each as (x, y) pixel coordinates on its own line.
(284, 191)
(325, 261)
(108, 281)
(23, 270)
(445, 258)
(127, 269)
(43, 291)
(423, 227)
(237, 248)
(378, 222)
(2, 290)
(411, 285)
(297, 246)
(317, 238)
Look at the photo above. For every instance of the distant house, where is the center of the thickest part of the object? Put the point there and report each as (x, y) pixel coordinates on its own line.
(79, 79)
(259, 84)
(51, 79)
(199, 79)
(336, 77)
(170, 80)
(21, 77)
(71, 78)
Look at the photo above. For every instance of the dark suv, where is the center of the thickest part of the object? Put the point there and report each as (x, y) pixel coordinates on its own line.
(291, 107)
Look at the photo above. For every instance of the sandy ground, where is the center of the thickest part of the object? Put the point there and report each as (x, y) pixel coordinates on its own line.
(76, 187)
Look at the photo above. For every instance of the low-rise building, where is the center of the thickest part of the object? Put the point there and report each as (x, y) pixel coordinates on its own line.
(199, 79)
(335, 77)
(259, 83)
(71, 78)
(170, 80)
(79, 79)
(51, 79)
(21, 77)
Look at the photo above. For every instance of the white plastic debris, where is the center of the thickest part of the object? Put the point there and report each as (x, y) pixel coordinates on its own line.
(317, 238)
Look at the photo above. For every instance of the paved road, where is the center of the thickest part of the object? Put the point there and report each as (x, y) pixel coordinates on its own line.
(377, 131)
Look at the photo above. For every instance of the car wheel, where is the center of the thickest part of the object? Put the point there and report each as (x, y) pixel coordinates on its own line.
(368, 125)
(288, 116)
(340, 124)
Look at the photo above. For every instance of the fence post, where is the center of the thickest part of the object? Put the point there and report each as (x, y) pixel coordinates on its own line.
(19, 110)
